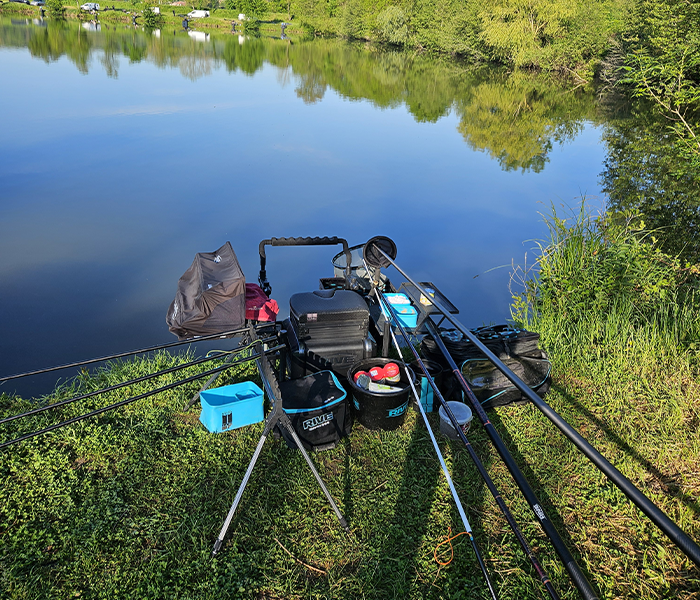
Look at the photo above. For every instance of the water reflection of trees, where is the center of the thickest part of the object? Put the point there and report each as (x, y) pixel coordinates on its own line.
(47, 44)
(517, 119)
(649, 175)
(196, 64)
(110, 56)
(247, 54)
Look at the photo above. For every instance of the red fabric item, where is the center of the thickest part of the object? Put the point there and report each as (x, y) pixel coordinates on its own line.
(258, 307)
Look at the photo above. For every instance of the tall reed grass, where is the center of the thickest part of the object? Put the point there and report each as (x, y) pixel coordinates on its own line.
(620, 321)
(600, 284)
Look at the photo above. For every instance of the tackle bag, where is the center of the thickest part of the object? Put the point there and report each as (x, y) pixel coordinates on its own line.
(210, 296)
(318, 408)
(517, 348)
(493, 388)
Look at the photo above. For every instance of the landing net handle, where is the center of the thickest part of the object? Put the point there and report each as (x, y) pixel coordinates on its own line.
(300, 241)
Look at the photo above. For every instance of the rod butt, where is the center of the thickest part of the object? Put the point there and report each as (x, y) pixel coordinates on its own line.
(580, 581)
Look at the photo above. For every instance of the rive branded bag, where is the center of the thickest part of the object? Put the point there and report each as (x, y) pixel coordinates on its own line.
(318, 409)
(517, 348)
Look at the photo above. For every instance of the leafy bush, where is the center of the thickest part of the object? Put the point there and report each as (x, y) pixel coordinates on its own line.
(393, 25)
(253, 9)
(663, 64)
(251, 26)
(151, 18)
(55, 8)
(351, 19)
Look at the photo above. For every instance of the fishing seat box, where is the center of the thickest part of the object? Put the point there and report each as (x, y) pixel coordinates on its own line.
(327, 330)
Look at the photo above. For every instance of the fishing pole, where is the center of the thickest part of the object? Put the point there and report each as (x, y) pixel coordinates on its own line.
(206, 385)
(655, 514)
(135, 398)
(124, 354)
(117, 386)
(544, 578)
(460, 508)
(377, 255)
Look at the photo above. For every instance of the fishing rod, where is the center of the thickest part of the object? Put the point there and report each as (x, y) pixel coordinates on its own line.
(544, 578)
(206, 385)
(117, 386)
(165, 388)
(655, 514)
(376, 256)
(455, 496)
(123, 354)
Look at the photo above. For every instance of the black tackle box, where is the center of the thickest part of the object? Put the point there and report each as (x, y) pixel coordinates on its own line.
(328, 329)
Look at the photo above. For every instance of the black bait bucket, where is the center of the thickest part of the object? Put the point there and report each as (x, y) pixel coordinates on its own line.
(379, 409)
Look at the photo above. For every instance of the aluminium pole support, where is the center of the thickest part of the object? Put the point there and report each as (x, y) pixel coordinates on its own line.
(276, 417)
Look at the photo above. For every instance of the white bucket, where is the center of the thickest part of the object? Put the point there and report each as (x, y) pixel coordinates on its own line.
(463, 415)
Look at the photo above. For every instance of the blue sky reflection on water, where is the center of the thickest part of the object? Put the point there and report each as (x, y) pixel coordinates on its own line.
(108, 187)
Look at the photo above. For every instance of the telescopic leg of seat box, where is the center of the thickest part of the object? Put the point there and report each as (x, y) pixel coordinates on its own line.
(275, 417)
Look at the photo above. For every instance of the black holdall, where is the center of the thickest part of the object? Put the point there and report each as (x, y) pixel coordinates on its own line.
(318, 408)
(517, 348)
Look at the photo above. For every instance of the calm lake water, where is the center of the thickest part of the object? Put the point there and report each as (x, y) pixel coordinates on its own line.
(123, 153)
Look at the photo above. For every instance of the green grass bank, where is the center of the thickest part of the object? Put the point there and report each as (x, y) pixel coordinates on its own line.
(123, 12)
(129, 503)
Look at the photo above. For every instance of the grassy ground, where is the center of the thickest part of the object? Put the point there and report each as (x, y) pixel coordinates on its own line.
(128, 504)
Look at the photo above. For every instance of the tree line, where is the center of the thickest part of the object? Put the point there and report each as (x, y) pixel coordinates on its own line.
(646, 48)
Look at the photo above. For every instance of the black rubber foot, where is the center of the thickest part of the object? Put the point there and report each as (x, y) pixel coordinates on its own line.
(217, 547)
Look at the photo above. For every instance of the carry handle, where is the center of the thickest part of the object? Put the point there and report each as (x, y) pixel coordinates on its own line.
(299, 241)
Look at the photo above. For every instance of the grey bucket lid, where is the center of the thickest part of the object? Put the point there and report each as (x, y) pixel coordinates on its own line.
(461, 411)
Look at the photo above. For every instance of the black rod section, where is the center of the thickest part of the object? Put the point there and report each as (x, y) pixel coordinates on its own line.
(117, 386)
(130, 400)
(123, 354)
(544, 578)
(482, 564)
(450, 483)
(574, 571)
(657, 516)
